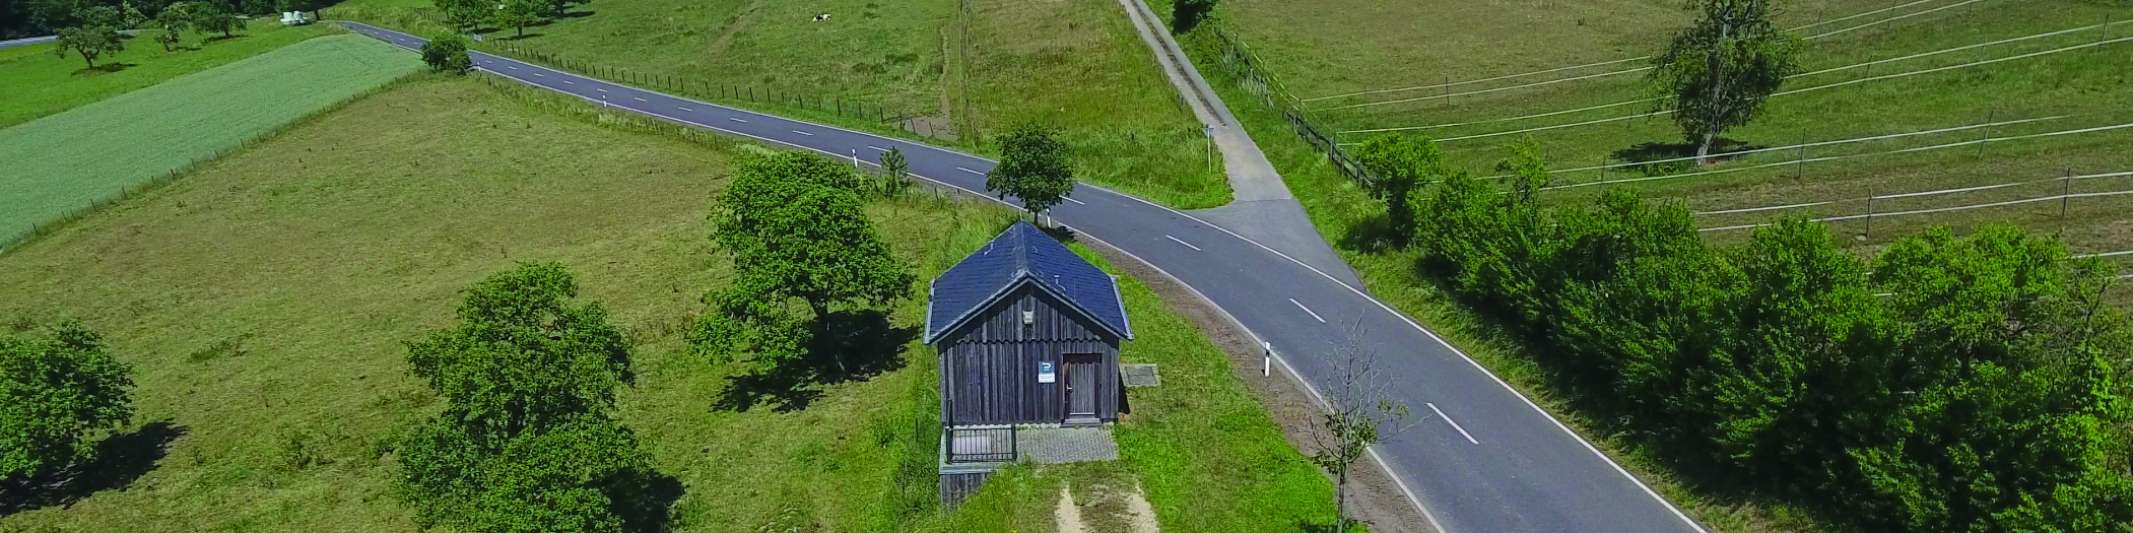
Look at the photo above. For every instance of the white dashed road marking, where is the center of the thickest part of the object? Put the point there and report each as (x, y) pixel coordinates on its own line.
(1455, 425)
(637, 98)
(803, 133)
(737, 120)
(685, 108)
(970, 171)
(1194, 248)
(1076, 202)
(877, 148)
(1307, 311)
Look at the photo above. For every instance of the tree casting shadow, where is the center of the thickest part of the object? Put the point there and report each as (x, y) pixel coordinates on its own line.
(862, 344)
(1373, 234)
(1654, 151)
(121, 459)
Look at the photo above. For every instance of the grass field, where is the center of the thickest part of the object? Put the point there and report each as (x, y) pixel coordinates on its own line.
(64, 163)
(936, 66)
(262, 299)
(39, 83)
(2061, 65)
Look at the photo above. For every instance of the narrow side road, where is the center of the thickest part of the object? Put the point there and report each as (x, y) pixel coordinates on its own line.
(1508, 465)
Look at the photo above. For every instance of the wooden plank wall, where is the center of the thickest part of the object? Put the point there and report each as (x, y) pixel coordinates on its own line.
(989, 366)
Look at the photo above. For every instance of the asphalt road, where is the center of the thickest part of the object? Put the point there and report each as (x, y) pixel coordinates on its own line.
(1478, 458)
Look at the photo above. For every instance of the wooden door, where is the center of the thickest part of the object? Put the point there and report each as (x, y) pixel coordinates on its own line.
(1081, 372)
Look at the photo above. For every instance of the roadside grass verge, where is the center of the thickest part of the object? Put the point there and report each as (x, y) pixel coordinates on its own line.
(39, 83)
(263, 297)
(952, 72)
(63, 164)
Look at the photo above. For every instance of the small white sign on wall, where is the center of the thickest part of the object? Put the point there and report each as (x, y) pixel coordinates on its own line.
(1045, 373)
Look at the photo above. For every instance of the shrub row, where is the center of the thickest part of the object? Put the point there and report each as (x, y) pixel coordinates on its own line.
(1950, 383)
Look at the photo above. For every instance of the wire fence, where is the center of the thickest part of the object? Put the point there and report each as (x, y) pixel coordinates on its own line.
(1872, 206)
(1237, 59)
(1641, 58)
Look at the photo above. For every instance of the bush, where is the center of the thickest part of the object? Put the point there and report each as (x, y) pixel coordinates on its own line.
(58, 391)
(1966, 383)
(447, 53)
(527, 441)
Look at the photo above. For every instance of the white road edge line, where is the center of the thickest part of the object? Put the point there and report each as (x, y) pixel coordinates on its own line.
(1397, 480)
(1307, 310)
(1194, 248)
(1455, 425)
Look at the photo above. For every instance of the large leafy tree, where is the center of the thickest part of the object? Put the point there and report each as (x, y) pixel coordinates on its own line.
(1717, 73)
(96, 34)
(465, 15)
(213, 16)
(1187, 14)
(58, 390)
(1033, 167)
(518, 14)
(796, 229)
(527, 441)
(171, 24)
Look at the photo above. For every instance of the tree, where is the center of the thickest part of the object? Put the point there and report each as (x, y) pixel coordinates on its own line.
(527, 441)
(58, 390)
(1398, 165)
(1360, 412)
(172, 23)
(465, 15)
(1717, 73)
(796, 230)
(447, 53)
(518, 14)
(96, 35)
(212, 16)
(1033, 167)
(1187, 14)
(897, 169)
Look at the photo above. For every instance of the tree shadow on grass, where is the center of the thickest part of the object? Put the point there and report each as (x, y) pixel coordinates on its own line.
(644, 499)
(1654, 151)
(105, 68)
(862, 344)
(519, 36)
(1373, 234)
(219, 38)
(121, 459)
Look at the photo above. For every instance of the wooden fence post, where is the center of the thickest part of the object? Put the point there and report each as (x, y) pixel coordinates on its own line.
(1869, 231)
(2066, 193)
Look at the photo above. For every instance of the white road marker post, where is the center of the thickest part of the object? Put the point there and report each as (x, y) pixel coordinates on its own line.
(855, 159)
(1266, 363)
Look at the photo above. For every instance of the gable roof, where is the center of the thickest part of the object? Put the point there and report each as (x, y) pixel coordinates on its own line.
(1023, 254)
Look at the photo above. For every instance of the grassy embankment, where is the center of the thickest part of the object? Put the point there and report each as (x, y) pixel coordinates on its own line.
(944, 67)
(63, 164)
(38, 82)
(262, 298)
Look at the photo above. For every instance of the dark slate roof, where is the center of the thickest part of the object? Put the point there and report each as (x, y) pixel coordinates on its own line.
(1023, 254)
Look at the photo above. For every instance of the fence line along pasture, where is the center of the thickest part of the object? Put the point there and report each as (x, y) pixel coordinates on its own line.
(1804, 160)
(1446, 86)
(1800, 146)
(1780, 93)
(1867, 64)
(2066, 179)
(1870, 215)
(1832, 85)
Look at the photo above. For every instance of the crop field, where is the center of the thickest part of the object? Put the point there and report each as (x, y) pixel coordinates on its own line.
(1910, 113)
(956, 71)
(263, 298)
(62, 164)
(38, 82)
